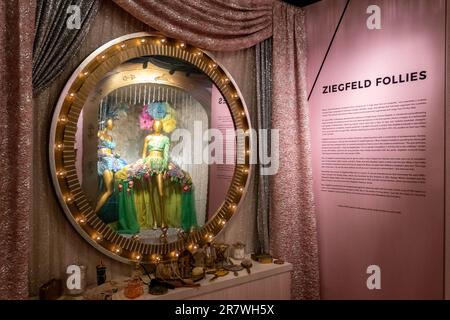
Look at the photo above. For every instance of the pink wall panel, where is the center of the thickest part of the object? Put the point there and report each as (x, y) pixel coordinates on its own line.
(387, 213)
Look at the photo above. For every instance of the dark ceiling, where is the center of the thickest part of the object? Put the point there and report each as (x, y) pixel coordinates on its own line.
(301, 3)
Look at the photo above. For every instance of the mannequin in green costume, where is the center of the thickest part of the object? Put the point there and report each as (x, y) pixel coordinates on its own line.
(156, 156)
(162, 194)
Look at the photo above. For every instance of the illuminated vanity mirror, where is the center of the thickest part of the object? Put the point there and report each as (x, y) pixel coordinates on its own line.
(149, 148)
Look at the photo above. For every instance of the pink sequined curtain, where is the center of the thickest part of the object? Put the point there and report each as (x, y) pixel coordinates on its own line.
(221, 25)
(16, 47)
(293, 233)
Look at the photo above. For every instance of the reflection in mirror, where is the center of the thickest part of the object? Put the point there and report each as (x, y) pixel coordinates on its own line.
(143, 155)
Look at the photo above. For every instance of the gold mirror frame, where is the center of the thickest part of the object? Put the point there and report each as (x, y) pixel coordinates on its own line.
(62, 153)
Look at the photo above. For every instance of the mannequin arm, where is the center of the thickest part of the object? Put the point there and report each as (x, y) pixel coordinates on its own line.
(144, 152)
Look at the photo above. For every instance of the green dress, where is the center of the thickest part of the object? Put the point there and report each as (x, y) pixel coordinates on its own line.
(140, 195)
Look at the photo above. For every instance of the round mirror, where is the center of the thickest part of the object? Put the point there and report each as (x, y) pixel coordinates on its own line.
(149, 148)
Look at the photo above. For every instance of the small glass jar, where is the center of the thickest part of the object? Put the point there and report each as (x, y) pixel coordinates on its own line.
(134, 289)
(239, 251)
(210, 255)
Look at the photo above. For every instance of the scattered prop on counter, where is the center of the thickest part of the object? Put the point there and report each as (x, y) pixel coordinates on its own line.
(51, 290)
(178, 283)
(219, 273)
(264, 258)
(199, 258)
(108, 294)
(186, 263)
(278, 261)
(101, 273)
(198, 273)
(221, 253)
(210, 255)
(238, 251)
(104, 291)
(235, 268)
(157, 288)
(135, 287)
(247, 264)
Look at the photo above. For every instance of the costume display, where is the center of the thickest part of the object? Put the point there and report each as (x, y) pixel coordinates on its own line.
(152, 192)
(109, 162)
(107, 158)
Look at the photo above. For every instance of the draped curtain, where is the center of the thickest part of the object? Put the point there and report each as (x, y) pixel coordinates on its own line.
(221, 25)
(292, 219)
(264, 120)
(16, 19)
(55, 44)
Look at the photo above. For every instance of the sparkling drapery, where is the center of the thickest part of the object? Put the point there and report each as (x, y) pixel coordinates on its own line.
(16, 125)
(264, 121)
(58, 36)
(221, 25)
(292, 218)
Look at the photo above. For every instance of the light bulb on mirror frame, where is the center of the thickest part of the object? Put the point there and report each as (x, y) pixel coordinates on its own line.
(156, 258)
(81, 219)
(68, 198)
(61, 173)
(63, 119)
(208, 237)
(192, 246)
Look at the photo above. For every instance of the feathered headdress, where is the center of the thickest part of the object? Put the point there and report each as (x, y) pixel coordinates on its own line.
(111, 111)
(158, 110)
